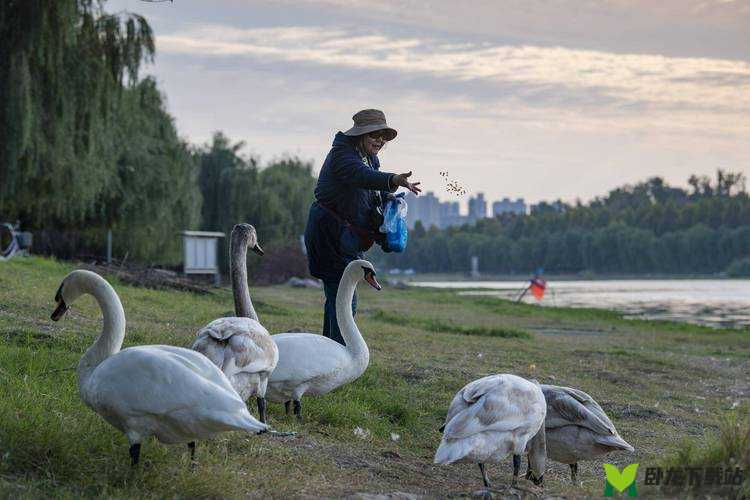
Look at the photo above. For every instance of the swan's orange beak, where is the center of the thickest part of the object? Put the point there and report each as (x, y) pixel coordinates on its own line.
(370, 278)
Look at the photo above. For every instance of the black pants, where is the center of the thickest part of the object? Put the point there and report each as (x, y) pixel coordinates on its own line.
(330, 325)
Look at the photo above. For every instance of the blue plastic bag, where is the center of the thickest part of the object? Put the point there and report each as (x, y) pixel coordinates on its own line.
(394, 224)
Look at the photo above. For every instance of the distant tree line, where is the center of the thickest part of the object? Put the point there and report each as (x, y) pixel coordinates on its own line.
(647, 228)
(87, 146)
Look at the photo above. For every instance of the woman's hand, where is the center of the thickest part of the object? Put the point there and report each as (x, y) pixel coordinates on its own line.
(402, 180)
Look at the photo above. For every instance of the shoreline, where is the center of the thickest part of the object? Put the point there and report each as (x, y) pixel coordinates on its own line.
(463, 277)
(713, 305)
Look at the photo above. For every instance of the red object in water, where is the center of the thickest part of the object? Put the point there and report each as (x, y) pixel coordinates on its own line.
(538, 287)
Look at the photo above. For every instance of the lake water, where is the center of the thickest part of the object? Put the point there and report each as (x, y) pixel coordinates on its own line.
(713, 302)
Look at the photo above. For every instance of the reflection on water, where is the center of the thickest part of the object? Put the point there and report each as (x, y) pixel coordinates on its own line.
(721, 303)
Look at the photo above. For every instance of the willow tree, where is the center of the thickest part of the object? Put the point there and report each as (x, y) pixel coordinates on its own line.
(155, 193)
(65, 65)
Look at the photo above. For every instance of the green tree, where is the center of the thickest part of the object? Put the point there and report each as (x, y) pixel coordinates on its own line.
(62, 76)
(275, 199)
(154, 193)
(85, 145)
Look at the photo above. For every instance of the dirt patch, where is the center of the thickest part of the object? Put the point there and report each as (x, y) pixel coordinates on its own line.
(619, 379)
(721, 376)
(398, 495)
(584, 354)
(370, 469)
(158, 279)
(636, 412)
(413, 374)
(351, 462)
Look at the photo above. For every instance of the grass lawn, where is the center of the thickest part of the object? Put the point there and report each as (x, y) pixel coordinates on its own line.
(664, 385)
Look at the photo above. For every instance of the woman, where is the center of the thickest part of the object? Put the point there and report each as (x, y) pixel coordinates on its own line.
(347, 211)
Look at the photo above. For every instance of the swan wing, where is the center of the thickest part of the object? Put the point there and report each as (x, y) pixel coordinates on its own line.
(305, 356)
(237, 345)
(498, 404)
(250, 352)
(469, 395)
(478, 388)
(458, 405)
(591, 405)
(222, 329)
(176, 384)
(566, 406)
(209, 347)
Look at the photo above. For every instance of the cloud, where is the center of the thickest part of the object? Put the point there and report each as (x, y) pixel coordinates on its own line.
(708, 28)
(636, 80)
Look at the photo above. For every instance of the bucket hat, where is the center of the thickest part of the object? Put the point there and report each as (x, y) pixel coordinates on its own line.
(370, 120)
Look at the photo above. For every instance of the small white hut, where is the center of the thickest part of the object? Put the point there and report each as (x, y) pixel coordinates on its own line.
(200, 251)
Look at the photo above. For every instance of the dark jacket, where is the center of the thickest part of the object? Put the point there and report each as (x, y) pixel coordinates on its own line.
(348, 187)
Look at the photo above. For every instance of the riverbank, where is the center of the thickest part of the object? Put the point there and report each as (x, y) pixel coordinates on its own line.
(718, 303)
(662, 383)
(587, 276)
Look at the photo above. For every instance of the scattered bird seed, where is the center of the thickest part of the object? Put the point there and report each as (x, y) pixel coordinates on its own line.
(452, 185)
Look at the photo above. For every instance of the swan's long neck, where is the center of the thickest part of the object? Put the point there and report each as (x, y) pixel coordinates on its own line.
(355, 344)
(110, 340)
(538, 452)
(243, 306)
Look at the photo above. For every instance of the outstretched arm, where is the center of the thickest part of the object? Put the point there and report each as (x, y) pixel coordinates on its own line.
(402, 180)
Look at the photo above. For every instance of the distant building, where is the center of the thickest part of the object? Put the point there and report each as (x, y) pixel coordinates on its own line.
(477, 207)
(450, 214)
(506, 205)
(428, 209)
(425, 208)
(449, 209)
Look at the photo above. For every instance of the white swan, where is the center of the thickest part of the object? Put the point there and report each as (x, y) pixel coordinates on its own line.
(314, 364)
(577, 428)
(491, 418)
(241, 347)
(174, 394)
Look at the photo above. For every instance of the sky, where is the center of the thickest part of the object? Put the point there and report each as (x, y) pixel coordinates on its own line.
(540, 99)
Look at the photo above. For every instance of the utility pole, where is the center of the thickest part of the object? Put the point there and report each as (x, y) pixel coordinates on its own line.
(109, 246)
